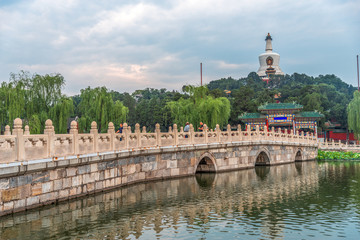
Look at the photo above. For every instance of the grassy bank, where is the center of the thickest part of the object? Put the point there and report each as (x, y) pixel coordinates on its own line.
(327, 155)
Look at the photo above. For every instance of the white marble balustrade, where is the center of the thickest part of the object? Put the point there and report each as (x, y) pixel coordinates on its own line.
(20, 145)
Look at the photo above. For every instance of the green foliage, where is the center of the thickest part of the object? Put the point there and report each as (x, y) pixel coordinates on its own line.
(119, 113)
(36, 98)
(97, 105)
(326, 94)
(60, 113)
(353, 112)
(29, 98)
(35, 124)
(200, 107)
(328, 155)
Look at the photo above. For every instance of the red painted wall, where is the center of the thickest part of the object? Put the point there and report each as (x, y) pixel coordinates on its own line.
(337, 136)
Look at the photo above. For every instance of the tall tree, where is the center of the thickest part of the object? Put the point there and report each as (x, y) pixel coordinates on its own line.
(60, 113)
(200, 107)
(353, 112)
(97, 105)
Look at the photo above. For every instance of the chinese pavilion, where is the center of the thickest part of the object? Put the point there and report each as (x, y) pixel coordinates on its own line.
(285, 115)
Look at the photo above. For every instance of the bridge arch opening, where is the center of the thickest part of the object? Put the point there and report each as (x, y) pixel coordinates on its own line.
(262, 159)
(298, 156)
(206, 165)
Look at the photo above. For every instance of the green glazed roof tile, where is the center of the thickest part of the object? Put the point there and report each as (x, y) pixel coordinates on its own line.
(274, 106)
(251, 115)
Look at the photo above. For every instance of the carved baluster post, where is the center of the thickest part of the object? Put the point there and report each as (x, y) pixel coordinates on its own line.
(257, 132)
(50, 132)
(228, 131)
(205, 133)
(273, 133)
(239, 132)
(111, 131)
(95, 132)
(143, 133)
(7, 130)
(158, 137)
(301, 137)
(138, 135)
(126, 135)
(175, 131)
(218, 133)
(27, 131)
(18, 131)
(74, 131)
(266, 137)
(248, 131)
(191, 134)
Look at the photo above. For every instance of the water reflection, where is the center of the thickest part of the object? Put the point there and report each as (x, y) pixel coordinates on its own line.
(205, 180)
(262, 171)
(297, 201)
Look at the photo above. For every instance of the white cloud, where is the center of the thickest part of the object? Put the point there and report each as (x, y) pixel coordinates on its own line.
(130, 45)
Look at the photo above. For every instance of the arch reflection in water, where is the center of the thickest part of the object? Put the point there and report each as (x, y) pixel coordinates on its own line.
(229, 205)
(262, 171)
(205, 180)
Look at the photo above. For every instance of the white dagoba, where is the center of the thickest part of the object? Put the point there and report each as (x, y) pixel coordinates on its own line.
(269, 60)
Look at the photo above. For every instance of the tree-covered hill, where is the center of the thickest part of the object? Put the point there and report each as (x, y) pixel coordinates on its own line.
(327, 94)
(35, 98)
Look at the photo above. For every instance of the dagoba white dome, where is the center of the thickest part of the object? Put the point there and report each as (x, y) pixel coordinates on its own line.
(269, 61)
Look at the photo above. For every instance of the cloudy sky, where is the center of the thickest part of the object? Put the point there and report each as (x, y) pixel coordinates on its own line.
(131, 44)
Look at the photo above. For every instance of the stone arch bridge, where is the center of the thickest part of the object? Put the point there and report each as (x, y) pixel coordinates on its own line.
(46, 168)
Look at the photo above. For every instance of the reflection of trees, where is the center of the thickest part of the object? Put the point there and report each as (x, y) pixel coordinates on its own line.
(245, 197)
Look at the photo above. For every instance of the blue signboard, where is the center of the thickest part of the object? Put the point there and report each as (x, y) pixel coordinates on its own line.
(280, 118)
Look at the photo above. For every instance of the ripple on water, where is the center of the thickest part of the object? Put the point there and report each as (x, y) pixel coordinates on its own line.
(288, 203)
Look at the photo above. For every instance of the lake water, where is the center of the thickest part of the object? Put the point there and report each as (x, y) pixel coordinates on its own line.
(307, 200)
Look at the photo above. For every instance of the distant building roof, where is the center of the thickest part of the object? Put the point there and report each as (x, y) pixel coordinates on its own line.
(251, 116)
(309, 115)
(275, 106)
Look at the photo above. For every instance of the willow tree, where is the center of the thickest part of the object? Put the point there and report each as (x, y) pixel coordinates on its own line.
(60, 113)
(119, 113)
(13, 101)
(353, 112)
(200, 107)
(97, 105)
(42, 92)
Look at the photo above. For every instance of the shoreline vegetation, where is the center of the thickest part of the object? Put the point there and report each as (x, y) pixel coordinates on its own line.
(35, 98)
(329, 155)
